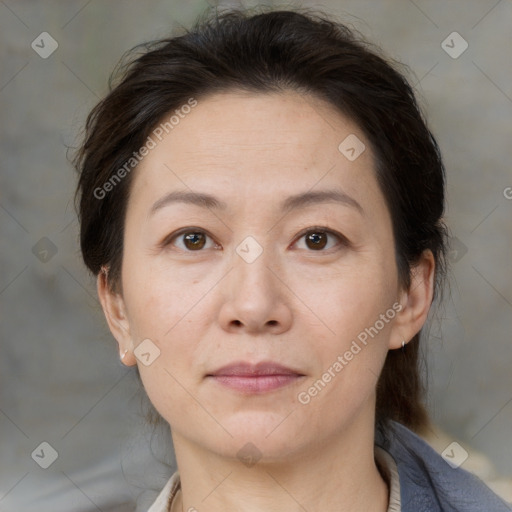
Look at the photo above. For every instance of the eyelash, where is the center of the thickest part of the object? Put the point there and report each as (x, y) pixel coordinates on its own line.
(342, 240)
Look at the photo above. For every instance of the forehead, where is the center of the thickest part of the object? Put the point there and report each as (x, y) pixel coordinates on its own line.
(260, 144)
(236, 124)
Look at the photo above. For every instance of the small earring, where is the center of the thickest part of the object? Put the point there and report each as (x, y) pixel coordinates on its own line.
(124, 354)
(403, 346)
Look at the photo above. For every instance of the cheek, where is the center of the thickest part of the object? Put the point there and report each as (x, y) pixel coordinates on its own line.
(159, 299)
(166, 316)
(172, 310)
(350, 347)
(352, 328)
(354, 298)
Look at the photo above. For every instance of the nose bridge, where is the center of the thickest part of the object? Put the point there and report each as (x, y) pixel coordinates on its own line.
(255, 300)
(251, 263)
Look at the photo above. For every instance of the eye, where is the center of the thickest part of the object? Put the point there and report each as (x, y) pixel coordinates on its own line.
(192, 240)
(320, 239)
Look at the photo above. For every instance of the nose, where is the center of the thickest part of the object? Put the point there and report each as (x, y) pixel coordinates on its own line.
(256, 298)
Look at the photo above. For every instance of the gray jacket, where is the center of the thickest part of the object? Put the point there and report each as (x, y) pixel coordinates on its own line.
(428, 483)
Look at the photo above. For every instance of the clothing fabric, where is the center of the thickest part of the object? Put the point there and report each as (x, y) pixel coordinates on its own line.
(419, 479)
(389, 471)
(164, 499)
(428, 483)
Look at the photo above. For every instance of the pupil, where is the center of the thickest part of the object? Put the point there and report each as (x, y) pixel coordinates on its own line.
(319, 240)
(194, 240)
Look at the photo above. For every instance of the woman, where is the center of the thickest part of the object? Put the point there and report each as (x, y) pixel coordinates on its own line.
(261, 201)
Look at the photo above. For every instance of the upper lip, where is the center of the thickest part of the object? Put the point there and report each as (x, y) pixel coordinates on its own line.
(242, 368)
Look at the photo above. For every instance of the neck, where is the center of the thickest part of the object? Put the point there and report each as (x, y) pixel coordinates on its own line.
(338, 475)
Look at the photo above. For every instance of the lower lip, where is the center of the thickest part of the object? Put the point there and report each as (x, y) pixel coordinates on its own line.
(256, 383)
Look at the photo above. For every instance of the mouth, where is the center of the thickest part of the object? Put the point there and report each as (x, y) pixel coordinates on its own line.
(255, 378)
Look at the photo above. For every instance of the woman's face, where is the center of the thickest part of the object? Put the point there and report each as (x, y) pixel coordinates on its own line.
(289, 261)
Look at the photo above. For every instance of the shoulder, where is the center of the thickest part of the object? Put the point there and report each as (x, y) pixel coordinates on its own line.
(428, 483)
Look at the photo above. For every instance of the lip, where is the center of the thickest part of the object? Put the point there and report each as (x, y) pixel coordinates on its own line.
(255, 378)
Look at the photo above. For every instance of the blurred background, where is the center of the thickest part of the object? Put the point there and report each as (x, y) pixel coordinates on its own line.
(72, 430)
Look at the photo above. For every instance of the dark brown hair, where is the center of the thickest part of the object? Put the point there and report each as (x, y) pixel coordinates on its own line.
(268, 52)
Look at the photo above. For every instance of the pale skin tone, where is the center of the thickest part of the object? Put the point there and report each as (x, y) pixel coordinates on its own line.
(294, 304)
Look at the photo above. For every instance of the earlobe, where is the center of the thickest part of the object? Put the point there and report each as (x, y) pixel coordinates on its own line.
(114, 309)
(415, 301)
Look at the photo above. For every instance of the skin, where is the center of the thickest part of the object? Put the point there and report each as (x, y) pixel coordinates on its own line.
(295, 305)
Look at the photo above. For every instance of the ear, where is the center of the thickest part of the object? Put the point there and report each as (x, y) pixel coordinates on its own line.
(415, 301)
(117, 319)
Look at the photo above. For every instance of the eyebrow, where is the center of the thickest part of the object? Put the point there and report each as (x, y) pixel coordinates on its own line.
(320, 196)
(291, 203)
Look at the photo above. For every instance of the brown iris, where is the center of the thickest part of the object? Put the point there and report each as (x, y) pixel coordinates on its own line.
(194, 240)
(316, 240)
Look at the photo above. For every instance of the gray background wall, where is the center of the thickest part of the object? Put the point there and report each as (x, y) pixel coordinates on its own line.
(61, 381)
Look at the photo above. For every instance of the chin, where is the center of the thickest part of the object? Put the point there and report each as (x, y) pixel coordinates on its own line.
(265, 433)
